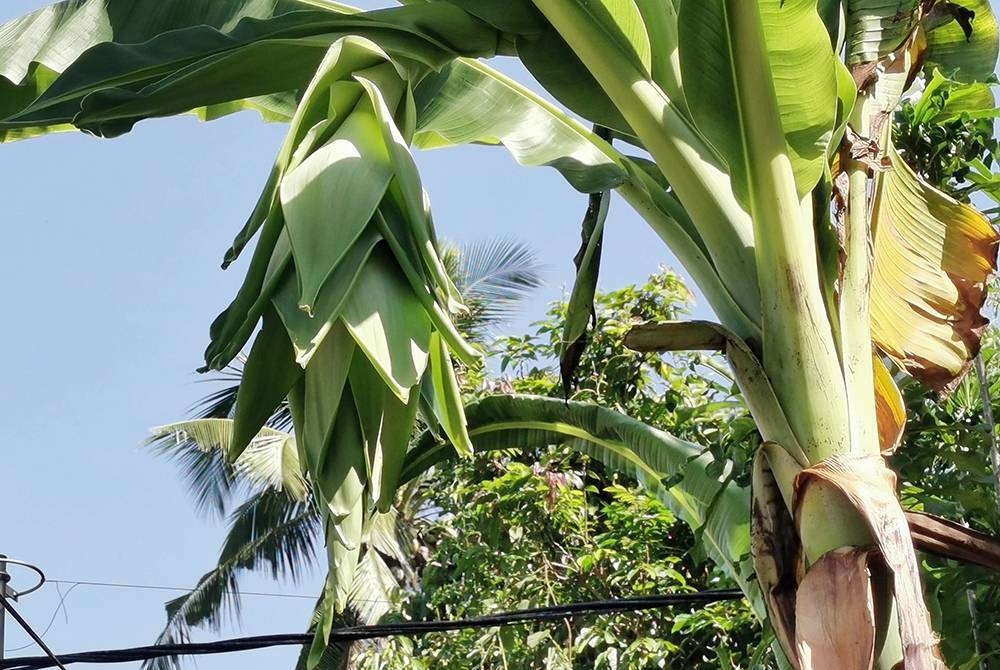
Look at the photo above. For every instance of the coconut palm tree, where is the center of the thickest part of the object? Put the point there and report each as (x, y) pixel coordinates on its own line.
(826, 258)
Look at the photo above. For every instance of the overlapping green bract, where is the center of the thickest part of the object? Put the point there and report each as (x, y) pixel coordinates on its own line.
(355, 302)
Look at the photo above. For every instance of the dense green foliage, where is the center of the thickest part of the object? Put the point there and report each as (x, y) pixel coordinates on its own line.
(947, 135)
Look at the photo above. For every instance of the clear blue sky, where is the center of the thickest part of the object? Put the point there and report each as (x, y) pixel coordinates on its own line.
(110, 268)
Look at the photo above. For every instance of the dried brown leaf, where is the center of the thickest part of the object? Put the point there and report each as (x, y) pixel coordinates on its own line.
(835, 613)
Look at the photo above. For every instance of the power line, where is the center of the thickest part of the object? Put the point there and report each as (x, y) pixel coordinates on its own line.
(120, 585)
(354, 633)
(186, 589)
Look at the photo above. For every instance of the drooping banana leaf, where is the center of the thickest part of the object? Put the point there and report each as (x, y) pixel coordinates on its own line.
(468, 102)
(932, 256)
(107, 65)
(357, 306)
(580, 307)
(673, 469)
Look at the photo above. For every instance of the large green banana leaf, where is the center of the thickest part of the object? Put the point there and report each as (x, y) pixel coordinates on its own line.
(801, 59)
(971, 57)
(675, 470)
(469, 102)
(106, 65)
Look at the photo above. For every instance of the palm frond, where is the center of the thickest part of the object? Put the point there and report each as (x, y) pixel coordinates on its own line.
(493, 276)
(208, 476)
(374, 590)
(268, 532)
(210, 479)
(221, 404)
(271, 460)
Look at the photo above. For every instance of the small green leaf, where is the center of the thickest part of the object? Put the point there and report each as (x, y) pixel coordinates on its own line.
(269, 373)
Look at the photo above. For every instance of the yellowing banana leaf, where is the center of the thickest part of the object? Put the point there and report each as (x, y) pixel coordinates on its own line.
(890, 410)
(932, 258)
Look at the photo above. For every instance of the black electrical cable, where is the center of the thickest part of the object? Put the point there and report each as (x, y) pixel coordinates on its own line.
(50, 659)
(410, 628)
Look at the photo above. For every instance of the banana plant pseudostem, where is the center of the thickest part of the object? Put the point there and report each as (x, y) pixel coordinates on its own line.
(773, 179)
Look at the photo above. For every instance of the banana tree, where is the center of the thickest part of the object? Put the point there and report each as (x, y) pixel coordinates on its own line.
(772, 178)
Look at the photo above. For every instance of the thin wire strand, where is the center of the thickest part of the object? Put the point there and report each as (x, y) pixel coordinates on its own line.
(411, 628)
(154, 587)
(49, 658)
(52, 620)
